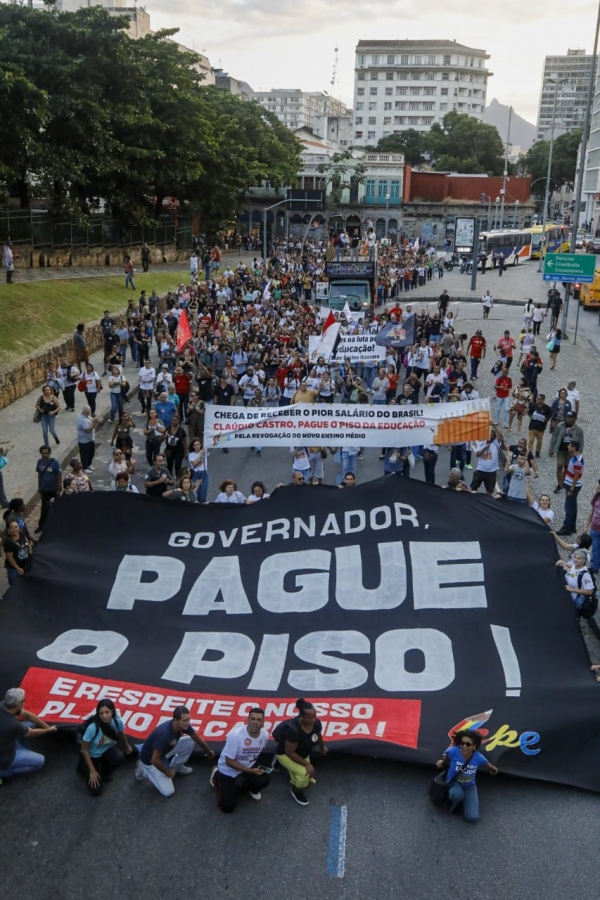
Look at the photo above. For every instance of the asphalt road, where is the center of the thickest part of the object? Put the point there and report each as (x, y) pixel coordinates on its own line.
(58, 843)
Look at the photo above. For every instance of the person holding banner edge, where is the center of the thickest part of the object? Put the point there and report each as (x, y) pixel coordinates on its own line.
(296, 739)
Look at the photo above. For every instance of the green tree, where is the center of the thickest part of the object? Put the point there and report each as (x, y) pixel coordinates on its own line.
(23, 119)
(464, 144)
(410, 142)
(564, 162)
(341, 172)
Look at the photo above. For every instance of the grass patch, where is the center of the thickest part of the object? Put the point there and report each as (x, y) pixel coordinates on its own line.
(45, 312)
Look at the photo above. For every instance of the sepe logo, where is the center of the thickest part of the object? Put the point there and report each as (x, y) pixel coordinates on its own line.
(398, 333)
(247, 742)
(503, 737)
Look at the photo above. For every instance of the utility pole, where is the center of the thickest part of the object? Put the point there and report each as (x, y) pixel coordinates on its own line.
(505, 173)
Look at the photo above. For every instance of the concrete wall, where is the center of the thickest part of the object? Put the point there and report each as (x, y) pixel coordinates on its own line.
(29, 258)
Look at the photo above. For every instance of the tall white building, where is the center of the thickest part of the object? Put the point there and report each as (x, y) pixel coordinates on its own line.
(412, 84)
(298, 109)
(573, 71)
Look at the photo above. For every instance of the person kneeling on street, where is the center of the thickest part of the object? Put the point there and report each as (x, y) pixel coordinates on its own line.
(296, 739)
(463, 760)
(237, 769)
(17, 723)
(166, 750)
(104, 746)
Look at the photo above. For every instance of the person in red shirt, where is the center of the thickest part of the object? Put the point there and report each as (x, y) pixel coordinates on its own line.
(505, 347)
(395, 311)
(503, 389)
(476, 350)
(182, 381)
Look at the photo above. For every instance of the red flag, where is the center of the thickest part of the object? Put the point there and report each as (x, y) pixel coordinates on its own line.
(329, 321)
(184, 332)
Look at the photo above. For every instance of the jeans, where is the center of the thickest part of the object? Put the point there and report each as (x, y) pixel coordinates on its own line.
(69, 396)
(49, 423)
(370, 375)
(229, 787)
(87, 452)
(116, 405)
(12, 575)
(203, 480)
(570, 523)
(467, 795)
(178, 756)
(502, 409)
(595, 535)
(129, 281)
(123, 352)
(25, 761)
(349, 461)
(474, 366)
(91, 397)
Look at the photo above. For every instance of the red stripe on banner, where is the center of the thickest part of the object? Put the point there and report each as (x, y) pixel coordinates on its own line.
(65, 698)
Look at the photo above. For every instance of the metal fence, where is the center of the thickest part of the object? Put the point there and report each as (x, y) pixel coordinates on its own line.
(38, 229)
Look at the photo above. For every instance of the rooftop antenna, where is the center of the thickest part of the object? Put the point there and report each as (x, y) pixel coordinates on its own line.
(334, 74)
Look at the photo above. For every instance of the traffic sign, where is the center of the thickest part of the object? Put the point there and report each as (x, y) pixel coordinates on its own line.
(569, 267)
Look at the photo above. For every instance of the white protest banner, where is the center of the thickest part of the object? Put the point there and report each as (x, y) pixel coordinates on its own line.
(322, 290)
(358, 348)
(339, 424)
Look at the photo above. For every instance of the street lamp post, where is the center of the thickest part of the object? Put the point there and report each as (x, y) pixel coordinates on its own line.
(387, 215)
(496, 212)
(548, 175)
(517, 213)
(505, 173)
(274, 206)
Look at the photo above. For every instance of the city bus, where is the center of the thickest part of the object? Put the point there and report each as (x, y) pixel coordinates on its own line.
(557, 239)
(514, 244)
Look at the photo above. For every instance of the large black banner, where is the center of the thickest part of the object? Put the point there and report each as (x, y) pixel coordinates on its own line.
(403, 611)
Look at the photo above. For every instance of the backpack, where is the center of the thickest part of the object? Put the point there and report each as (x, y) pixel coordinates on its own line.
(590, 602)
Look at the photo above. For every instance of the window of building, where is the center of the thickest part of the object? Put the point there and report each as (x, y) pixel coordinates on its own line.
(429, 76)
(431, 60)
(389, 76)
(428, 106)
(429, 92)
(399, 120)
(414, 105)
(387, 120)
(394, 189)
(400, 104)
(401, 91)
(402, 76)
(391, 60)
(417, 61)
(360, 106)
(374, 60)
(415, 76)
(360, 92)
(382, 189)
(444, 92)
(389, 92)
(415, 92)
(358, 120)
(372, 120)
(374, 76)
(404, 60)
(373, 105)
(427, 120)
(445, 76)
(370, 187)
(358, 134)
(373, 92)
(371, 135)
(387, 105)
(361, 60)
(360, 76)
(443, 106)
(447, 60)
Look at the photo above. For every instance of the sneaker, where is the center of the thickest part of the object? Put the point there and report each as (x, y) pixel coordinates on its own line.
(225, 450)
(558, 488)
(140, 773)
(258, 452)
(300, 797)
(361, 455)
(183, 770)
(537, 454)
(88, 471)
(91, 468)
(468, 466)
(256, 796)
(213, 772)
(111, 421)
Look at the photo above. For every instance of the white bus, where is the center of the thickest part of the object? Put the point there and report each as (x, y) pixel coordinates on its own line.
(514, 244)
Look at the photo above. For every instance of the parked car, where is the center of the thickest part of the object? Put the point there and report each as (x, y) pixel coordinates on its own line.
(581, 240)
(593, 245)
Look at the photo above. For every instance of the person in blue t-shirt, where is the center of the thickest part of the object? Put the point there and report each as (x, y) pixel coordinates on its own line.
(463, 760)
(166, 750)
(104, 746)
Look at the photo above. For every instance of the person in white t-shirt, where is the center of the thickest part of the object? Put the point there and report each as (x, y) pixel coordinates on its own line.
(237, 770)
(487, 464)
(573, 395)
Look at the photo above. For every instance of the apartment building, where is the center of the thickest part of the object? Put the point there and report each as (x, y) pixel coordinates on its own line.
(298, 109)
(412, 84)
(567, 78)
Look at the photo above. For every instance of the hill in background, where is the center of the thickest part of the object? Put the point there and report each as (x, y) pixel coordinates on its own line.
(522, 132)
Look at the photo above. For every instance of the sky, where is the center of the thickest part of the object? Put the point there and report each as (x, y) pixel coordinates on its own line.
(291, 44)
